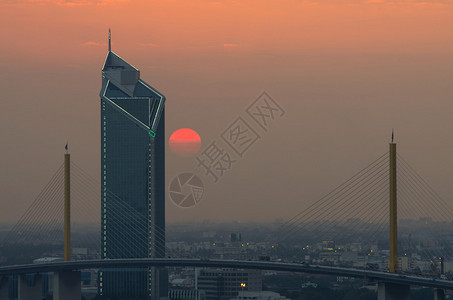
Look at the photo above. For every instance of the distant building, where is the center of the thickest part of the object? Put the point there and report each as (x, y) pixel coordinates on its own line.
(186, 295)
(229, 251)
(448, 266)
(328, 245)
(309, 284)
(224, 284)
(261, 295)
(182, 282)
(407, 263)
(235, 237)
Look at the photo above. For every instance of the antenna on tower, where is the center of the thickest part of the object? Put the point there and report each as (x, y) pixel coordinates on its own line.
(110, 41)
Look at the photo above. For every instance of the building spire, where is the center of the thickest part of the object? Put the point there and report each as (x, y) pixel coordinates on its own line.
(110, 41)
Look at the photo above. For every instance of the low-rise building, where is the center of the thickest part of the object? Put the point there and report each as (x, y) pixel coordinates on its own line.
(261, 295)
(226, 283)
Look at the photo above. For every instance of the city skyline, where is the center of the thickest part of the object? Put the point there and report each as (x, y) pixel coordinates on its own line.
(346, 72)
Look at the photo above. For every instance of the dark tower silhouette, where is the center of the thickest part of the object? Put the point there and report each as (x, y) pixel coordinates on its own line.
(132, 180)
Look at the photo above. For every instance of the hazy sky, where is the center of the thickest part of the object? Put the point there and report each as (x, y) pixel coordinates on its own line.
(345, 71)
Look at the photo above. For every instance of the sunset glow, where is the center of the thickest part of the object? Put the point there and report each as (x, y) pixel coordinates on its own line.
(185, 142)
(346, 72)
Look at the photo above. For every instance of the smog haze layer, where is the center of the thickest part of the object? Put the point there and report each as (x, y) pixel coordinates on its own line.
(345, 72)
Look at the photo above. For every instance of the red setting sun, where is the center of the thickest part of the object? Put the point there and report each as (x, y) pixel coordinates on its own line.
(185, 142)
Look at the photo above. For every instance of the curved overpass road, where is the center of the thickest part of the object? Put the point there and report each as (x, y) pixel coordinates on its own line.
(236, 264)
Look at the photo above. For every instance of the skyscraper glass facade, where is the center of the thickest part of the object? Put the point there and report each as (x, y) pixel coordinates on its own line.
(132, 179)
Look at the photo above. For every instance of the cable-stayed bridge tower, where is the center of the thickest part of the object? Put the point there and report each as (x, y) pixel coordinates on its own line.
(393, 211)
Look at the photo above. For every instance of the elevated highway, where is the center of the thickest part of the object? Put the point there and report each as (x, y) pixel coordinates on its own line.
(384, 277)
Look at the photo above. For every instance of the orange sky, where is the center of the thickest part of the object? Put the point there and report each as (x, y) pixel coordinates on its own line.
(347, 71)
(65, 32)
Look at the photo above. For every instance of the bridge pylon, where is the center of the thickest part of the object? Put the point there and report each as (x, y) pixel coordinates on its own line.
(66, 284)
(67, 207)
(393, 213)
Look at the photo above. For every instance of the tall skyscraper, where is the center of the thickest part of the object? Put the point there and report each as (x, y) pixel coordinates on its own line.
(132, 180)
